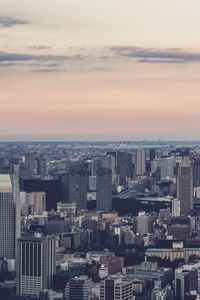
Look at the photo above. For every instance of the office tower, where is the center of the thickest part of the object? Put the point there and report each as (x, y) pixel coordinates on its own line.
(63, 179)
(140, 162)
(110, 163)
(92, 183)
(10, 215)
(35, 265)
(104, 189)
(144, 223)
(152, 154)
(196, 171)
(167, 166)
(116, 289)
(185, 281)
(78, 288)
(97, 162)
(124, 166)
(36, 202)
(185, 187)
(78, 186)
(42, 167)
(29, 163)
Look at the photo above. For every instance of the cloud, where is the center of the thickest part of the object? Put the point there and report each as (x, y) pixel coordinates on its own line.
(39, 47)
(35, 62)
(152, 55)
(6, 21)
(19, 57)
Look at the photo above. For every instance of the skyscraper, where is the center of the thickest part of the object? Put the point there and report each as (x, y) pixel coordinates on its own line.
(35, 265)
(124, 166)
(78, 186)
(140, 162)
(42, 167)
(104, 189)
(196, 172)
(29, 163)
(185, 186)
(9, 215)
(97, 162)
(152, 154)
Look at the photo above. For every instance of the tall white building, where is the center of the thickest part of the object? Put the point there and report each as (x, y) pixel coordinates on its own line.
(10, 215)
(35, 265)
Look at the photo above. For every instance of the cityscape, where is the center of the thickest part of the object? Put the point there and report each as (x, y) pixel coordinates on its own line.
(99, 220)
(99, 150)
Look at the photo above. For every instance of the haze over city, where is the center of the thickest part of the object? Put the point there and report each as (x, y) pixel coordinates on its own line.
(99, 70)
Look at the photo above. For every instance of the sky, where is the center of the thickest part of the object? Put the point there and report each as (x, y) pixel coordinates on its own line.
(99, 70)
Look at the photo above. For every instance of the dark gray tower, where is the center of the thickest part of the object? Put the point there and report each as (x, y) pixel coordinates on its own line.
(185, 186)
(42, 167)
(78, 186)
(104, 189)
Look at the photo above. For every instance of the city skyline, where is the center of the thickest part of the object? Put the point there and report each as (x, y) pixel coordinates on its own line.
(99, 70)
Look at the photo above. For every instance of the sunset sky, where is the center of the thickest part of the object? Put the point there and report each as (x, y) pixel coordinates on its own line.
(99, 69)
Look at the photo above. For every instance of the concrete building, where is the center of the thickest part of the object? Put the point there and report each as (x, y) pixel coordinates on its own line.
(144, 223)
(35, 265)
(78, 288)
(185, 281)
(114, 288)
(36, 202)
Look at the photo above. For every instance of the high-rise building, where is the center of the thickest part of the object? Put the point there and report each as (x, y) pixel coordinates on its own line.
(140, 162)
(152, 154)
(29, 163)
(144, 223)
(78, 186)
(110, 163)
(167, 167)
(35, 264)
(78, 288)
(185, 281)
(124, 166)
(115, 288)
(185, 186)
(196, 171)
(10, 215)
(97, 162)
(42, 167)
(104, 189)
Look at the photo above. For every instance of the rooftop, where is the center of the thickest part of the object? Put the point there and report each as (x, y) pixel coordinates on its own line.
(5, 183)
